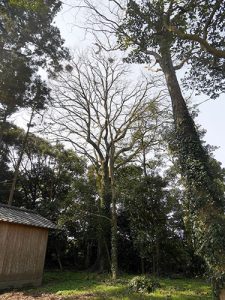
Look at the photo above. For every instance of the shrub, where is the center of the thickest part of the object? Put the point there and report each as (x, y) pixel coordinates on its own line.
(144, 284)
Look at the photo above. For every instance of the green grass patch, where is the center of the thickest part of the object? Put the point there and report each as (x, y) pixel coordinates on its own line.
(99, 287)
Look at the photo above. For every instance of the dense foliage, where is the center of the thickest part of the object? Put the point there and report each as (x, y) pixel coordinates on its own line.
(144, 284)
(28, 41)
(58, 184)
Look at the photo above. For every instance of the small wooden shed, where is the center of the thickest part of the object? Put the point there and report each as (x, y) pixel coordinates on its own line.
(23, 241)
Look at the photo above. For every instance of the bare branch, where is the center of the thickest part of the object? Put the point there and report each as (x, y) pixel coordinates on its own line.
(101, 112)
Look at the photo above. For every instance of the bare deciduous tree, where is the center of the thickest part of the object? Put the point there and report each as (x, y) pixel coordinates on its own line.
(106, 116)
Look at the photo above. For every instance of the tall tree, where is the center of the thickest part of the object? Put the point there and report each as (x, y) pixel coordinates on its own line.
(28, 41)
(40, 97)
(145, 29)
(102, 115)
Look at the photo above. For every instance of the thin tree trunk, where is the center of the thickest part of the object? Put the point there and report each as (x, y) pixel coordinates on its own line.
(58, 257)
(16, 173)
(144, 157)
(142, 265)
(3, 126)
(157, 256)
(153, 262)
(114, 258)
(88, 255)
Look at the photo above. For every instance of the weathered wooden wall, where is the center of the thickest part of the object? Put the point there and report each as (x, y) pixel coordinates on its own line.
(22, 254)
(222, 295)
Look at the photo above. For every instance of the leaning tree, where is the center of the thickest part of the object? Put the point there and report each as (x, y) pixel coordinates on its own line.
(146, 29)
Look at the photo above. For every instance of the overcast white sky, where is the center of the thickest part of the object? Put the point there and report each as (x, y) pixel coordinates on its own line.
(211, 116)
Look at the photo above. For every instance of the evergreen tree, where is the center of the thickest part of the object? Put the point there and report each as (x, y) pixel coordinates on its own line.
(146, 30)
(28, 41)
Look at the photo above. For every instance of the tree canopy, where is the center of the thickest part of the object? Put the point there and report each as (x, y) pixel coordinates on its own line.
(194, 28)
(28, 41)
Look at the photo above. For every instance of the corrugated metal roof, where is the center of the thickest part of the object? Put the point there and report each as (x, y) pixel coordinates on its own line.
(17, 215)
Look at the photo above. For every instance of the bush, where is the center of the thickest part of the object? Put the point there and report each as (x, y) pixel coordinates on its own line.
(144, 284)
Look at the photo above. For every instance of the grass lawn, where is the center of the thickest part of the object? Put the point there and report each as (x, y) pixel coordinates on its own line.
(93, 286)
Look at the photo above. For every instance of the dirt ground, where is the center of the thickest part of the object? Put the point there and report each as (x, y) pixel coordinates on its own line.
(28, 296)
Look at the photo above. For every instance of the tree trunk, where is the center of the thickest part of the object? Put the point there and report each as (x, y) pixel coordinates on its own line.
(157, 256)
(207, 201)
(58, 257)
(88, 255)
(3, 126)
(2, 132)
(189, 146)
(142, 265)
(107, 236)
(153, 262)
(181, 115)
(102, 263)
(114, 262)
(16, 173)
